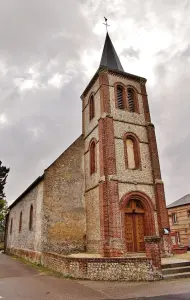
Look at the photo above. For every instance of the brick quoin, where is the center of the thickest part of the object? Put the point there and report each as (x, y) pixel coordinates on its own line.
(110, 218)
(163, 219)
(104, 91)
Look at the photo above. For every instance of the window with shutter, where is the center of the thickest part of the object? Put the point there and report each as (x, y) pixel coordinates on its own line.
(120, 98)
(131, 100)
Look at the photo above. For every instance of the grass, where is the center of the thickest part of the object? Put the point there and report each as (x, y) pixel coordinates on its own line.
(41, 268)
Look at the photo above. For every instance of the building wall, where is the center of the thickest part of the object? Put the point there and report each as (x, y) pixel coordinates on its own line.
(30, 240)
(91, 131)
(183, 223)
(140, 180)
(64, 210)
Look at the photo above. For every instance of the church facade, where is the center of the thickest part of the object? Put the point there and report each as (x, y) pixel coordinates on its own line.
(103, 196)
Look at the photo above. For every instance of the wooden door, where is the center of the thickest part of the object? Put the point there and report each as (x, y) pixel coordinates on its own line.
(129, 233)
(134, 232)
(139, 225)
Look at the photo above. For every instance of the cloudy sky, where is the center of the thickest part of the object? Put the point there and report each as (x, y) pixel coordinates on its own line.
(49, 50)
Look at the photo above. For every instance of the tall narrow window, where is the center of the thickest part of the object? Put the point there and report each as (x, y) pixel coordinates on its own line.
(92, 157)
(11, 226)
(131, 100)
(31, 218)
(120, 97)
(130, 153)
(91, 107)
(20, 222)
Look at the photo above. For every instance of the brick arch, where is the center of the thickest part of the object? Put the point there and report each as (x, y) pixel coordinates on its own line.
(136, 141)
(148, 206)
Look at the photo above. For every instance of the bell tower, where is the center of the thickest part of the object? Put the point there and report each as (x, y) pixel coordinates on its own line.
(124, 192)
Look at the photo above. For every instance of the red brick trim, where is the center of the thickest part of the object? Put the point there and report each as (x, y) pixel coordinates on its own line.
(106, 147)
(104, 92)
(127, 76)
(145, 102)
(136, 143)
(148, 207)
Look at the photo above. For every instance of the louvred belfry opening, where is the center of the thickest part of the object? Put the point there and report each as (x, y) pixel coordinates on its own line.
(131, 101)
(120, 99)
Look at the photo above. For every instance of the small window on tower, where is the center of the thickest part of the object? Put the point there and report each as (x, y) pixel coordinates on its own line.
(131, 100)
(91, 107)
(92, 157)
(120, 97)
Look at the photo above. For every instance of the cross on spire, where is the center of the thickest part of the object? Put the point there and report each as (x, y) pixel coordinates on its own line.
(106, 24)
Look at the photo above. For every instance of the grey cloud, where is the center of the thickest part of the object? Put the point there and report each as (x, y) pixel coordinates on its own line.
(131, 53)
(51, 38)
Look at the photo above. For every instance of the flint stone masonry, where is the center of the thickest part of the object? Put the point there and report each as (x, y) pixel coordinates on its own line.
(27, 239)
(120, 269)
(64, 209)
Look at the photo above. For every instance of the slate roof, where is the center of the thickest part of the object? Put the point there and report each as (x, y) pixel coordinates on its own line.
(110, 58)
(182, 201)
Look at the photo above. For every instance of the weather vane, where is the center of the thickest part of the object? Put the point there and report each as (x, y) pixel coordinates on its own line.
(106, 24)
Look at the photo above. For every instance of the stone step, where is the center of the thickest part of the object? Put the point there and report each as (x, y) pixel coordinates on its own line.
(176, 265)
(176, 270)
(177, 276)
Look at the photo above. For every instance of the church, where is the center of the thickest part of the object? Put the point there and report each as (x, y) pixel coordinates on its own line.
(99, 210)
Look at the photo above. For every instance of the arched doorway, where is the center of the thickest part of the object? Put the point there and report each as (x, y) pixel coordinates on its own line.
(134, 222)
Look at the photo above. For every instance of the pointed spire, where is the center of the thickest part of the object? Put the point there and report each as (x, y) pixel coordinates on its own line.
(110, 58)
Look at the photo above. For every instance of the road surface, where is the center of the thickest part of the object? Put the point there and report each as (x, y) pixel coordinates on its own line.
(19, 281)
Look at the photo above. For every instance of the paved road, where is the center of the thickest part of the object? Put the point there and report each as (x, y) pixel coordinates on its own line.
(21, 282)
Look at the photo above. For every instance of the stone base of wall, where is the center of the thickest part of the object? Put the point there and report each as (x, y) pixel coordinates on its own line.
(96, 268)
(30, 255)
(119, 269)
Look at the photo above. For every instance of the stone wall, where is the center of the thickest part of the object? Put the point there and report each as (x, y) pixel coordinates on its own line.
(114, 269)
(64, 210)
(26, 239)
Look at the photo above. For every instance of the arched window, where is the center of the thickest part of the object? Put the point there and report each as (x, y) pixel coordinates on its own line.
(20, 222)
(31, 218)
(131, 99)
(11, 226)
(92, 157)
(120, 97)
(91, 107)
(132, 151)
